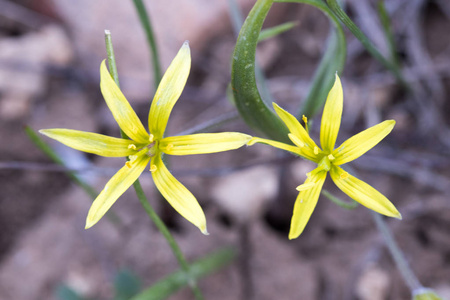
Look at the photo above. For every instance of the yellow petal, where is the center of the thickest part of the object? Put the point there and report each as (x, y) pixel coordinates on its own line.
(115, 187)
(177, 195)
(283, 146)
(92, 142)
(169, 90)
(120, 108)
(306, 202)
(299, 132)
(362, 142)
(363, 193)
(331, 117)
(203, 143)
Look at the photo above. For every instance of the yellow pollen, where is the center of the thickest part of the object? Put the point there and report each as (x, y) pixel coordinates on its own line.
(132, 157)
(151, 138)
(316, 150)
(296, 140)
(153, 168)
(331, 157)
(305, 186)
(128, 164)
(343, 175)
(132, 146)
(305, 119)
(169, 146)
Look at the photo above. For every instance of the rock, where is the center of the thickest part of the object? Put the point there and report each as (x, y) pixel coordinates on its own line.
(244, 194)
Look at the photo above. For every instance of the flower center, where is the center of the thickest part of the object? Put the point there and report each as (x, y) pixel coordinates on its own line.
(325, 163)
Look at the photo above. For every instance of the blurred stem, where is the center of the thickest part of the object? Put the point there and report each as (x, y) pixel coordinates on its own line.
(397, 254)
(147, 25)
(344, 18)
(387, 29)
(143, 199)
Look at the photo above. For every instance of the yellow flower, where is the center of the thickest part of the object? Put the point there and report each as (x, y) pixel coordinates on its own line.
(143, 147)
(329, 160)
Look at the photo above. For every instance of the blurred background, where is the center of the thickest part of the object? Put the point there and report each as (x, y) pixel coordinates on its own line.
(50, 53)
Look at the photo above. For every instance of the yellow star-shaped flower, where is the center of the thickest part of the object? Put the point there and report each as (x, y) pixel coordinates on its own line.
(143, 147)
(329, 160)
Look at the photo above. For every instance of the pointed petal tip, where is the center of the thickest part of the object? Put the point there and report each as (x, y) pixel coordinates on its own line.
(89, 224)
(398, 216)
(204, 230)
(186, 43)
(293, 236)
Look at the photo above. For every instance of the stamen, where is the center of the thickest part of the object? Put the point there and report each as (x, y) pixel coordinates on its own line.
(305, 186)
(132, 146)
(316, 150)
(153, 168)
(131, 159)
(344, 175)
(296, 140)
(151, 138)
(305, 120)
(169, 146)
(331, 157)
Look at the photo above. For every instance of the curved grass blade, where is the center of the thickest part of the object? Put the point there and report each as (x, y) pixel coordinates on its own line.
(344, 18)
(255, 112)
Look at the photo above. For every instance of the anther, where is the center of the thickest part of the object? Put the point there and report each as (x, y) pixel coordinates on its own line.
(305, 186)
(132, 146)
(331, 157)
(153, 168)
(151, 138)
(343, 175)
(305, 119)
(316, 150)
(296, 140)
(169, 146)
(128, 164)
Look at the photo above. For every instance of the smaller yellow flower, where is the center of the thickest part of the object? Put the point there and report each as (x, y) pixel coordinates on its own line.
(143, 148)
(329, 159)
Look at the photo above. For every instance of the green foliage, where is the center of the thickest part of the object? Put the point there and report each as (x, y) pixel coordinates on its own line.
(201, 268)
(126, 285)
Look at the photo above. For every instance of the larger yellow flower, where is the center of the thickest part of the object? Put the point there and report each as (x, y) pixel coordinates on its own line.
(143, 147)
(329, 159)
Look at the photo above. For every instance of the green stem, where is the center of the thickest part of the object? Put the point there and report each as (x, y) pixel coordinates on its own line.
(143, 199)
(344, 18)
(340, 202)
(169, 237)
(397, 254)
(147, 25)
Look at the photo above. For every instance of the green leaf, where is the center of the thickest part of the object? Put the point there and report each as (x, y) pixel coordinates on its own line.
(255, 112)
(172, 283)
(63, 292)
(126, 285)
(276, 30)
